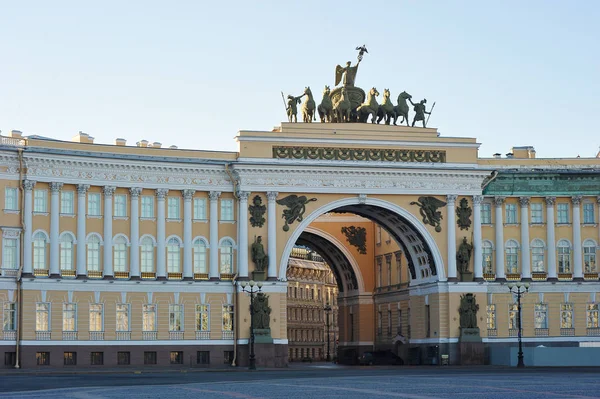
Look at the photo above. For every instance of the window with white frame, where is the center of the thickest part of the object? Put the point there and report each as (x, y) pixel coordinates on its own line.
(226, 253)
(562, 213)
(120, 254)
(486, 213)
(173, 208)
(123, 317)
(42, 316)
(491, 317)
(120, 206)
(9, 316)
(173, 256)
(588, 213)
(513, 312)
(589, 256)
(379, 261)
(96, 317)
(93, 208)
(93, 253)
(69, 317)
(147, 206)
(566, 315)
(564, 256)
(227, 314)
(39, 251)
(149, 317)
(378, 235)
(200, 208)
(511, 213)
(488, 258)
(512, 257)
(388, 265)
(537, 256)
(202, 318)
(175, 317)
(199, 256)
(66, 252)
(147, 255)
(40, 201)
(540, 315)
(67, 202)
(537, 216)
(591, 315)
(398, 267)
(227, 209)
(10, 253)
(11, 199)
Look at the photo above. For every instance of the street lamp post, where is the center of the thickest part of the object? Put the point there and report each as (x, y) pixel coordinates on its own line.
(519, 290)
(252, 291)
(327, 310)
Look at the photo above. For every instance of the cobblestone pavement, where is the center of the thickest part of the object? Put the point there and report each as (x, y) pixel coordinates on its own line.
(371, 383)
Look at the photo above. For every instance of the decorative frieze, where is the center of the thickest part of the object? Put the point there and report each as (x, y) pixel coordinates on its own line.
(359, 154)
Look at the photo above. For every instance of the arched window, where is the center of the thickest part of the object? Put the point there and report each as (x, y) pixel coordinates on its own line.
(147, 255)
(488, 258)
(39, 251)
(226, 250)
(93, 254)
(564, 256)
(537, 256)
(173, 256)
(589, 256)
(199, 254)
(120, 254)
(512, 257)
(66, 252)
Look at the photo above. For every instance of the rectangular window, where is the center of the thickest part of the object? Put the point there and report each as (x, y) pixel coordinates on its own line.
(94, 204)
(589, 257)
(176, 357)
(399, 327)
(541, 315)
(67, 202)
(203, 357)
(123, 358)
(227, 209)
(120, 206)
(537, 259)
(42, 316)
(202, 320)
(175, 317)
(10, 358)
(227, 317)
(592, 315)
(199, 208)
(227, 357)
(389, 322)
(69, 317)
(491, 317)
(96, 313)
(42, 358)
(11, 199)
(588, 213)
(512, 316)
(123, 317)
(70, 358)
(562, 213)
(566, 315)
(537, 217)
(40, 201)
(147, 206)
(486, 213)
(149, 317)
(9, 253)
(379, 271)
(388, 265)
(97, 358)
(9, 316)
(378, 235)
(149, 357)
(427, 321)
(173, 208)
(511, 213)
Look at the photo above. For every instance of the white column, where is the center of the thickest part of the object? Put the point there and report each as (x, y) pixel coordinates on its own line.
(82, 189)
(243, 235)
(598, 203)
(161, 265)
(577, 255)
(28, 227)
(213, 271)
(134, 249)
(108, 230)
(477, 240)
(525, 253)
(451, 236)
(272, 235)
(188, 270)
(54, 228)
(550, 239)
(499, 229)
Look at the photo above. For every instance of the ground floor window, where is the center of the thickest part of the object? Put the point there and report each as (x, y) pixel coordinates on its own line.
(203, 357)
(227, 357)
(42, 358)
(70, 358)
(491, 317)
(97, 358)
(541, 315)
(592, 315)
(149, 357)
(10, 358)
(566, 315)
(176, 357)
(123, 358)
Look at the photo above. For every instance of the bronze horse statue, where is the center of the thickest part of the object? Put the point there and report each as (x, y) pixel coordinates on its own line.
(402, 108)
(370, 107)
(308, 107)
(386, 109)
(342, 108)
(326, 107)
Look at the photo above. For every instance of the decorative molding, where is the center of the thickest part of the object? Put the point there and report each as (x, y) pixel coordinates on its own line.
(11, 232)
(464, 212)
(257, 212)
(362, 199)
(359, 154)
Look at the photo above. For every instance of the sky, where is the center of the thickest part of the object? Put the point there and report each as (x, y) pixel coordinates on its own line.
(194, 73)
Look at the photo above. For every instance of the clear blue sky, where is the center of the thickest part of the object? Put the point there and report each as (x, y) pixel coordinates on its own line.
(193, 73)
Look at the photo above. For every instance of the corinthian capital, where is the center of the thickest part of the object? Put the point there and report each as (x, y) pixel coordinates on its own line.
(108, 190)
(214, 195)
(576, 199)
(161, 193)
(83, 188)
(243, 195)
(451, 199)
(55, 187)
(498, 201)
(29, 184)
(524, 201)
(135, 192)
(188, 194)
(550, 201)
(272, 196)
(477, 199)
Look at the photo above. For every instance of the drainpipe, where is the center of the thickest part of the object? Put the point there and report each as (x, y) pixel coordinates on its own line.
(20, 271)
(236, 321)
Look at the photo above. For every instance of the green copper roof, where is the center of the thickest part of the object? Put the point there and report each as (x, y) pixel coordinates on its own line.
(544, 182)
